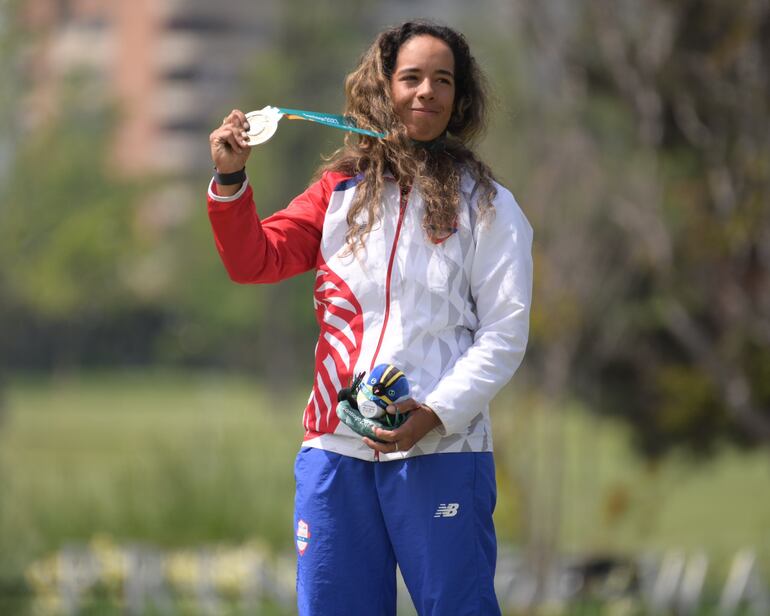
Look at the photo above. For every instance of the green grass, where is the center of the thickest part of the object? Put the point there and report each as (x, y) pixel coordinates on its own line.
(169, 459)
(183, 459)
(611, 501)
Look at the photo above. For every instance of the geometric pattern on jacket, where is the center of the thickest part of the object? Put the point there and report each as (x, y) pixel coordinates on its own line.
(454, 316)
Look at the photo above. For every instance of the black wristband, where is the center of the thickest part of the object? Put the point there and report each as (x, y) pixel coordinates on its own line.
(229, 179)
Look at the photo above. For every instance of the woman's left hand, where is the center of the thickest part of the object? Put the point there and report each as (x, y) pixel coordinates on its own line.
(421, 420)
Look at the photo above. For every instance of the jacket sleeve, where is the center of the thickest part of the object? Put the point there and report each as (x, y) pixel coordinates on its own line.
(283, 245)
(501, 285)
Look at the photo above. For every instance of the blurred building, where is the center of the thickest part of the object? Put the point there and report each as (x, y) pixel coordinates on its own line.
(171, 67)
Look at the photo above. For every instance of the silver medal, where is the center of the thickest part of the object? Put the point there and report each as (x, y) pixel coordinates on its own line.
(262, 124)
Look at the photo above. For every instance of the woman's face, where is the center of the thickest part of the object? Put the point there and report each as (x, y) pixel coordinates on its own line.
(423, 86)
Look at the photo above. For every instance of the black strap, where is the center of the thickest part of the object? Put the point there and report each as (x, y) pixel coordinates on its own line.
(229, 179)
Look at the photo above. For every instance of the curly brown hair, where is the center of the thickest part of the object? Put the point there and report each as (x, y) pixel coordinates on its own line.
(435, 171)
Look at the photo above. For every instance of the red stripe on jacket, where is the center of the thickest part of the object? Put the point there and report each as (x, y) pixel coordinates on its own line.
(282, 245)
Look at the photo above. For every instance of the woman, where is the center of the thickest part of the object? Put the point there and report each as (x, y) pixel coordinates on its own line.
(422, 261)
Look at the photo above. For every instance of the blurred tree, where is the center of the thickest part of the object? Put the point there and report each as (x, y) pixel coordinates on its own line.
(316, 47)
(9, 43)
(635, 136)
(643, 166)
(66, 238)
(649, 192)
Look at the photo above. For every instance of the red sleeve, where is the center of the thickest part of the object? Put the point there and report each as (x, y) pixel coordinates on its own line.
(283, 245)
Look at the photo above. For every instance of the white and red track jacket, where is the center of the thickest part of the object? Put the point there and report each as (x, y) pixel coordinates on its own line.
(454, 316)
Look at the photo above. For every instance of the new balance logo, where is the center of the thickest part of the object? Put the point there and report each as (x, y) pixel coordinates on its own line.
(447, 510)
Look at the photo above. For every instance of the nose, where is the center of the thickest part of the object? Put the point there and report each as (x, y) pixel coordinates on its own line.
(426, 89)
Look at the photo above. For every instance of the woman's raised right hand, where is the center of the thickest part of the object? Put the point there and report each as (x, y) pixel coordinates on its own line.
(229, 146)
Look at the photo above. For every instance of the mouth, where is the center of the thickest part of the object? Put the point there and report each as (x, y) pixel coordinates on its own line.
(428, 111)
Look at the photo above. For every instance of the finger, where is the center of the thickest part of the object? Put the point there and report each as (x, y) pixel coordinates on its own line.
(234, 145)
(228, 122)
(402, 407)
(237, 119)
(398, 446)
(242, 122)
(219, 136)
(233, 139)
(381, 447)
(388, 436)
(243, 136)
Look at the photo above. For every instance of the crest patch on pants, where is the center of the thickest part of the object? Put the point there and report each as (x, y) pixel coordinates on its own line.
(303, 536)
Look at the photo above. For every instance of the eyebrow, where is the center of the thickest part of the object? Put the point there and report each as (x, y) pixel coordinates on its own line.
(414, 69)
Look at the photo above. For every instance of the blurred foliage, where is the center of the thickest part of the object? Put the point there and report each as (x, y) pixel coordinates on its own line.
(644, 168)
(66, 238)
(66, 233)
(10, 68)
(635, 137)
(707, 297)
(267, 329)
(293, 74)
(171, 460)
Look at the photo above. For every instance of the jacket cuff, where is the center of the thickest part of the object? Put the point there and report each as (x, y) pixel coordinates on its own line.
(215, 197)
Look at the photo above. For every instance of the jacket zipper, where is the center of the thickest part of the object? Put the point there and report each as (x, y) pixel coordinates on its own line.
(402, 208)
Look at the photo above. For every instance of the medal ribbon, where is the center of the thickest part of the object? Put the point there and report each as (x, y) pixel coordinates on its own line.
(328, 119)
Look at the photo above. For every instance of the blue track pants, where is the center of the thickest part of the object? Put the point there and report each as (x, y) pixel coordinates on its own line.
(432, 514)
